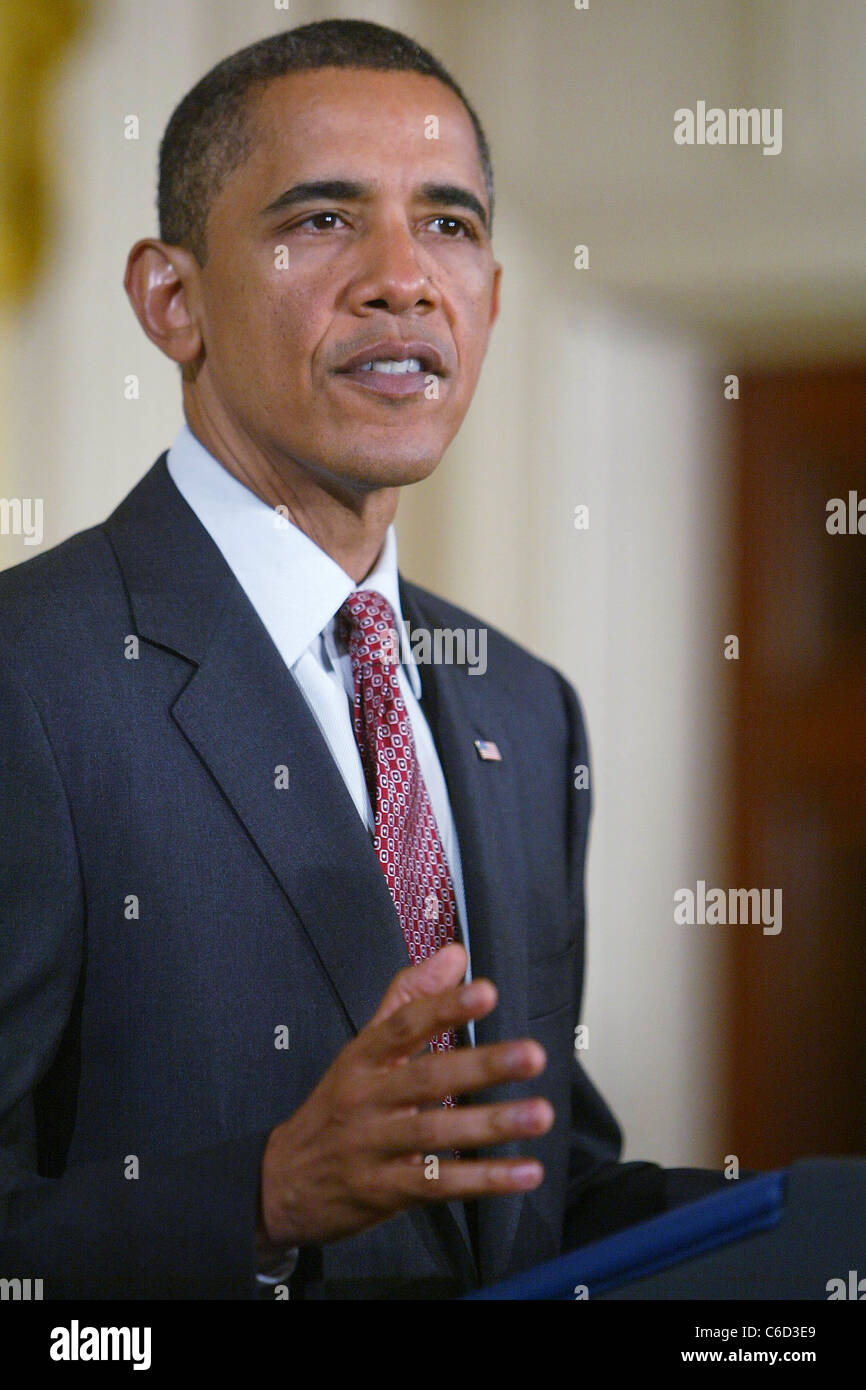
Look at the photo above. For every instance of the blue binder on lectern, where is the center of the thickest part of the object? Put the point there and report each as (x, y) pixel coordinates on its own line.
(749, 1206)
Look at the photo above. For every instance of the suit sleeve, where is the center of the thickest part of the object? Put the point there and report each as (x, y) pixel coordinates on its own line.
(186, 1226)
(605, 1195)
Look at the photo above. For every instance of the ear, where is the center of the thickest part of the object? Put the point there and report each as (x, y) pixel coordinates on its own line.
(161, 283)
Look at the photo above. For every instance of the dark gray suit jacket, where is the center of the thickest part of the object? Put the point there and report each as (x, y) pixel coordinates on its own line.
(164, 909)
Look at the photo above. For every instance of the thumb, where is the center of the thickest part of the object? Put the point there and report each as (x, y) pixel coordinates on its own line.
(438, 972)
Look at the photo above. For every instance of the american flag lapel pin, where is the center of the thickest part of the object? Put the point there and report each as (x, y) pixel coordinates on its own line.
(487, 750)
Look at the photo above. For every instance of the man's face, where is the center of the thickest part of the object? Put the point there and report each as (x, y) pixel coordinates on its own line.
(393, 264)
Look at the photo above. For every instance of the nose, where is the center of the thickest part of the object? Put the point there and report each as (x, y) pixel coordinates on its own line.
(391, 275)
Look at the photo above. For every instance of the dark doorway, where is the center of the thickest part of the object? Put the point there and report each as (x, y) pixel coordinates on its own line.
(797, 1078)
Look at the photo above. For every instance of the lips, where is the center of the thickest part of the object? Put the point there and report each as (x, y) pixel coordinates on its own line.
(393, 368)
(393, 350)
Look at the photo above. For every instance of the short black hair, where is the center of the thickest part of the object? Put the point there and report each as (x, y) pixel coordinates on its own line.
(208, 134)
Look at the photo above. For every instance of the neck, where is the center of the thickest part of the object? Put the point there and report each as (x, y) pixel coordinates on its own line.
(347, 523)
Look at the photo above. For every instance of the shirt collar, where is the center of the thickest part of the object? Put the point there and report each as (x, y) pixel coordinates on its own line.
(294, 586)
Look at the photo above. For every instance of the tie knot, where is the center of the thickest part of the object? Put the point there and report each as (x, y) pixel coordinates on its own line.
(369, 627)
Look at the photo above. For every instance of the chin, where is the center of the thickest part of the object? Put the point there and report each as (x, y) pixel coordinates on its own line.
(380, 468)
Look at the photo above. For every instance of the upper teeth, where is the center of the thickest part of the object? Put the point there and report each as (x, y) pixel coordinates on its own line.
(388, 364)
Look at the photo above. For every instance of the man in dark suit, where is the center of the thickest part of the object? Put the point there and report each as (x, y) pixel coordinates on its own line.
(292, 927)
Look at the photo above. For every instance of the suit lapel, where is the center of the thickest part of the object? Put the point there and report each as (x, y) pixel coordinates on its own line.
(485, 802)
(246, 717)
(244, 714)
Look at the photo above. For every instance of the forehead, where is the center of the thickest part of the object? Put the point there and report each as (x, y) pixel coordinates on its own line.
(333, 121)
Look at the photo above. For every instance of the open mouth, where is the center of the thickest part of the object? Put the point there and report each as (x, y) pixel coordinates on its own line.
(392, 367)
(394, 370)
(387, 377)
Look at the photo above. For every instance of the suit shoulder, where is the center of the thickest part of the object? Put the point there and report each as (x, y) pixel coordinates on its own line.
(528, 675)
(59, 596)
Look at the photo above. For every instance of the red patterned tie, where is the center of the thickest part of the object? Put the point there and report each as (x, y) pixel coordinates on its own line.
(406, 836)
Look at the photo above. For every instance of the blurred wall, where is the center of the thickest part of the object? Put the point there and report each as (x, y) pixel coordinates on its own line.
(602, 387)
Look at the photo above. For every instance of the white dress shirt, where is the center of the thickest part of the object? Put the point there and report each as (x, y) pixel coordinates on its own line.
(297, 590)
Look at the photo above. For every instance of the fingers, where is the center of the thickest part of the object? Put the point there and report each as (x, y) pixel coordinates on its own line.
(450, 1179)
(412, 1025)
(444, 970)
(426, 1080)
(469, 1127)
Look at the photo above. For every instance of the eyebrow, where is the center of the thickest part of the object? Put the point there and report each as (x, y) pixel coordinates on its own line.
(348, 190)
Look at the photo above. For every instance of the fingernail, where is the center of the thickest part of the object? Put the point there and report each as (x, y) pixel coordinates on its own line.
(525, 1115)
(527, 1174)
(517, 1058)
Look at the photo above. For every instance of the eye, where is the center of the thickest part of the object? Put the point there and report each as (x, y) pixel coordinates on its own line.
(320, 221)
(454, 226)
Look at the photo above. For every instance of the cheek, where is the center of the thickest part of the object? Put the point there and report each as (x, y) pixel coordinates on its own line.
(259, 305)
(290, 323)
(472, 343)
(471, 317)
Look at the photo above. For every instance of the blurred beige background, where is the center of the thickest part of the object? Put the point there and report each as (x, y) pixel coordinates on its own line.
(603, 386)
